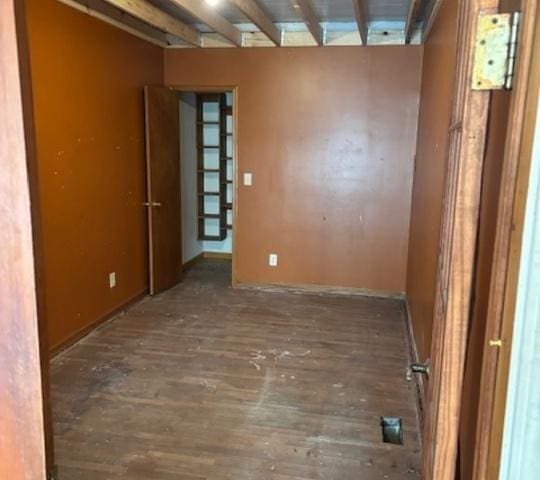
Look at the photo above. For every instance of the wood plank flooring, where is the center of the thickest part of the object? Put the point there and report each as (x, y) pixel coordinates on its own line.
(209, 382)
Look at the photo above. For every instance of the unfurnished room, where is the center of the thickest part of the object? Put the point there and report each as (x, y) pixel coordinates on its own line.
(269, 239)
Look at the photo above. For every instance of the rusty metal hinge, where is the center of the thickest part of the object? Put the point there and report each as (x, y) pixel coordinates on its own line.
(495, 51)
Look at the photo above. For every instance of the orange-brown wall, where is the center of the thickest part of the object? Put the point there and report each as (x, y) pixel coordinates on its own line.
(87, 80)
(430, 169)
(329, 135)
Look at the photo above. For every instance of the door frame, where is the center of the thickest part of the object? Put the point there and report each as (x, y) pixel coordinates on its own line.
(24, 407)
(521, 426)
(457, 252)
(221, 89)
(506, 258)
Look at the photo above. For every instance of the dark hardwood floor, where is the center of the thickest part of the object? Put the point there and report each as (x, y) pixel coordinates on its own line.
(210, 382)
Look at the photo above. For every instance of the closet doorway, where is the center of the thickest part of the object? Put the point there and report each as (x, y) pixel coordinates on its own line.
(191, 150)
(207, 140)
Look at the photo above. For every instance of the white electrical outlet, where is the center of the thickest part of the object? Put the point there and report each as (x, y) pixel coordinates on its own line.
(112, 279)
(273, 260)
(248, 179)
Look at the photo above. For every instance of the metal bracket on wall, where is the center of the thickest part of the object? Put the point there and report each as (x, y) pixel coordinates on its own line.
(495, 51)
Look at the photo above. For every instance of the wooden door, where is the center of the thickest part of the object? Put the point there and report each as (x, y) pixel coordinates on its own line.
(520, 122)
(458, 247)
(163, 187)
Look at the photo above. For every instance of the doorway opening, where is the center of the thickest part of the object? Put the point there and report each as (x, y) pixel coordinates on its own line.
(207, 175)
(190, 168)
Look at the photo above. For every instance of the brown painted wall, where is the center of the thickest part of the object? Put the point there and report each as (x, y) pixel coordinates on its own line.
(430, 171)
(87, 82)
(329, 135)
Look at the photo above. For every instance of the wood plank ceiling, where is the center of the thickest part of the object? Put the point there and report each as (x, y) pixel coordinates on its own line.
(260, 23)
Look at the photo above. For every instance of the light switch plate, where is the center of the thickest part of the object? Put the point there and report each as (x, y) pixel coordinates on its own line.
(248, 179)
(112, 279)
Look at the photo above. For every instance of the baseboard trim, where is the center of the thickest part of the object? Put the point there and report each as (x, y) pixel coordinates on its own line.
(190, 263)
(319, 290)
(208, 255)
(83, 332)
(217, 255)
(413, 357)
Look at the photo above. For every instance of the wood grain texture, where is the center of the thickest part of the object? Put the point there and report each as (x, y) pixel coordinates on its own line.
(491, 183)
(453, 294)
(507, 248)
(208, 15)
(22, 430)
(87, 80)
(259, 17)
(311, 19)
(209, 382)
(109, 14)
(473, 438)
(154, 16)
(412, 17)
(430, 18)
(163, 187)
(362, 17)
(329, 137)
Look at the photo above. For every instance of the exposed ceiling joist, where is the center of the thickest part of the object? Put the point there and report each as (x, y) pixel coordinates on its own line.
(410, 23)
(360, 12)
(157, 18)
(119, 19)
(207, 15)
(157, 21)
(429, 20)
(310, 19)
(256, 14)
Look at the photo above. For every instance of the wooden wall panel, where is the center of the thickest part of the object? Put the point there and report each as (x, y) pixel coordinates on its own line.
(430, 170)
(87, 80)
(329, 135)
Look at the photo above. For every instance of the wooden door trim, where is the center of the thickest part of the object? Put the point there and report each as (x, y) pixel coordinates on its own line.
(149, 216)
(220, 89)
(39, 254)
(459, 228)
(22, 412)
(502, 294)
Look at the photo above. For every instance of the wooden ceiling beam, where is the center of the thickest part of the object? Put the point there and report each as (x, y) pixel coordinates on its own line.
(208, 15)
(257, 15)
(310, 19)
(410, 23)
(360, 12)
(146, 12)
(430, 19)
(116, 17)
